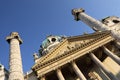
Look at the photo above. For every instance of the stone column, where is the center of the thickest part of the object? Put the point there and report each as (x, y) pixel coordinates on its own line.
(100, 64)
(112, 55)
(77, 71)
(79, 14)
(117, 44)
(95, 24)
(15, 62)
(59, 74)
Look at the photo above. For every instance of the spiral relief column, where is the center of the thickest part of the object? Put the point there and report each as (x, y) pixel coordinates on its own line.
(15, 61)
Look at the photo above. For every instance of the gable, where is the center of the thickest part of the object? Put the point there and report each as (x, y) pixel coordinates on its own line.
(70, 43)
(71, 48)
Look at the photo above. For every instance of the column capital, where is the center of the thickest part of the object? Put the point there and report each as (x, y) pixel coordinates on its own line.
(14, 35)
(76, 12)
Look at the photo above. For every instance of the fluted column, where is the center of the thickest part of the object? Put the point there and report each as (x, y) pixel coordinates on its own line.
(60, 75)
(15, 62)
(112, 55)
(100, 64)
(77, 71)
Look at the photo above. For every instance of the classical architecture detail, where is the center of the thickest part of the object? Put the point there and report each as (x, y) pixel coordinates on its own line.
(110, 23)
(94, 56)
(3, 73)
(77, 71)
(100, 64)
(15, 64)
(59, 74)
(35, 55)
(111, 54)
(79, 46)
(76, 53)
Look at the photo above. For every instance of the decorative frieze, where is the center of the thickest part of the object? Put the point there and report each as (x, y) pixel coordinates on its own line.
(72, 54)
(15, 63)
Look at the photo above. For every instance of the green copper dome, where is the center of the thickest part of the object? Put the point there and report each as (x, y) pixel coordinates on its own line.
(50, 40)
(49, 43)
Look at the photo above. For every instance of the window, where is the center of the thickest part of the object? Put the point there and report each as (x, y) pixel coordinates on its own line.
(116, 21)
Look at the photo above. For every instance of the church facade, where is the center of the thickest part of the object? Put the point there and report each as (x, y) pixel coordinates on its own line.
(94, 56)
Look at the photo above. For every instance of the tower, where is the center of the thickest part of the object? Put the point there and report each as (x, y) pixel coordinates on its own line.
(15, 62)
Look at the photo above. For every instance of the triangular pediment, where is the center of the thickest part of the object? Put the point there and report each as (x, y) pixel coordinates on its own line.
(72, 44)
(70, 49)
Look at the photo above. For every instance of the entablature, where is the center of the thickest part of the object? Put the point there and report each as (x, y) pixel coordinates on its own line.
(53, 60)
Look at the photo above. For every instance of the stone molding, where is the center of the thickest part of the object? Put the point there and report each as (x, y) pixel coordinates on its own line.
(14, 35)
(56, 62)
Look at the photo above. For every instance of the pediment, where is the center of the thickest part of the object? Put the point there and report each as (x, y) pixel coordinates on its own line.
(70, 49)
(69, 44)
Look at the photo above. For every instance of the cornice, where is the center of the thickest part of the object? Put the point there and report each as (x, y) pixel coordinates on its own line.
(51, 53)
(84, 36)
(102, 39)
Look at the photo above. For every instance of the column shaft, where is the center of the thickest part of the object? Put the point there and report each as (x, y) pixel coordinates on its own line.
(112, 55)
(15, 61)
(78, 72)
(100, 64)
(42, 78)
(15, 64)
(59, 74)
(93, 23)
(117, 44)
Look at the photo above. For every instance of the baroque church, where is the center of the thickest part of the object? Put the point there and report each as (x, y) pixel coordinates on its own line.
(94, 56)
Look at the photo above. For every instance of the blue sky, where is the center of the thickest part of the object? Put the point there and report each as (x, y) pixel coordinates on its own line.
(35, 19)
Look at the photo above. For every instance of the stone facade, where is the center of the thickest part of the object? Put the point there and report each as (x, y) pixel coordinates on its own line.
(3, 73)
(93, 56)
(80, 58)
(30, 75)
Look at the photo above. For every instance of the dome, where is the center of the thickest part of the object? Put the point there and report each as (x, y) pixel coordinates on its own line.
(50, 40)
(49, 43)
